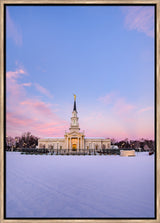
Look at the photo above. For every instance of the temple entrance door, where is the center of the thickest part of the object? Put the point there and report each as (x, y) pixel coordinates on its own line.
(74, 147)
(74, 144)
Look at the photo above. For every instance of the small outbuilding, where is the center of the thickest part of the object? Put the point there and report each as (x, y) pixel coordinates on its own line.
(114, 147)
(127, 152)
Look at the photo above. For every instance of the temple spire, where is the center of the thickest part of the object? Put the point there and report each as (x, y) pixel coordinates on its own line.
(74, 106)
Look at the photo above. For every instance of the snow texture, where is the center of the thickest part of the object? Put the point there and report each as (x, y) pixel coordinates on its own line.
(104, 186)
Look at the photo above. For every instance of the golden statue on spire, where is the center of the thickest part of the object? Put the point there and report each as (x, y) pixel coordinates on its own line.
(74, 97)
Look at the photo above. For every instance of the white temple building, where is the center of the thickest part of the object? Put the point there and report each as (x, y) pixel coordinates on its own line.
(74, 139)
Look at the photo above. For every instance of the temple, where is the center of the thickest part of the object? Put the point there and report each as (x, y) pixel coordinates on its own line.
(74, 141)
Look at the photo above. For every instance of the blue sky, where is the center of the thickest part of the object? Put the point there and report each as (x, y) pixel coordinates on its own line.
(103, 54)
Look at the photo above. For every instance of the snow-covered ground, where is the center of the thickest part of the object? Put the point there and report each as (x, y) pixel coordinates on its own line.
(79, 186)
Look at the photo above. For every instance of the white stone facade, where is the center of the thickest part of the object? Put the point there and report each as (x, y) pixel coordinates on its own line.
(69, 142)
(74, 140)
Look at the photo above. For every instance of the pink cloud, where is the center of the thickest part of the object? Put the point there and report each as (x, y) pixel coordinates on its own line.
(46, 123)
(119, 120)
(12, 30)
(122, 107)
(111, 125)
(145, 109)
(38, 108)
(27, 84)
(15, 91)
(108, 98)
(104, 124)
(43, 90)
(30, 114)
(14, 119)
(15, 74)
(119, 104)
(17, 124)
(140, 18)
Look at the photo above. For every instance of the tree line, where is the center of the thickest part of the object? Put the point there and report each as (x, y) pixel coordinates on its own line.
(26, 140)
(143, 144)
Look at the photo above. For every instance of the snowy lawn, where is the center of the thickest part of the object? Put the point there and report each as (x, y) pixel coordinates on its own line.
(79, 186)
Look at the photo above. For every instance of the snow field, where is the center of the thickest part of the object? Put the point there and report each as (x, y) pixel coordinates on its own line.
(79, 186)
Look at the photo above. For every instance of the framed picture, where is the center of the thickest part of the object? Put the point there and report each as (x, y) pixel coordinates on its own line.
(79, 99)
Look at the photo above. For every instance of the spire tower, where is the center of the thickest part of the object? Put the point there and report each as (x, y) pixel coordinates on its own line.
(74, 119)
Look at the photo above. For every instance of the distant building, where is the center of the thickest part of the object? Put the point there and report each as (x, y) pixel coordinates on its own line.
(127, 152)
(74, 139)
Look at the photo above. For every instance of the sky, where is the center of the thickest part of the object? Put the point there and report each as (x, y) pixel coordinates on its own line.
(103, 54)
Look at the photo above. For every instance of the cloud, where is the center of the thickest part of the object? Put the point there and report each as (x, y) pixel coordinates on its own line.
(108, 98)
(43, 90)
(18, 124)
(119, 120)
(118, 104)
(122, 107)
(12, 30)
(15, 74)
(15, 91)
(100, 123)
(15, 120)
(145, 109)
(27, 84)
(37, 108)
(30, 114)
(140, 18)
(120, 124)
